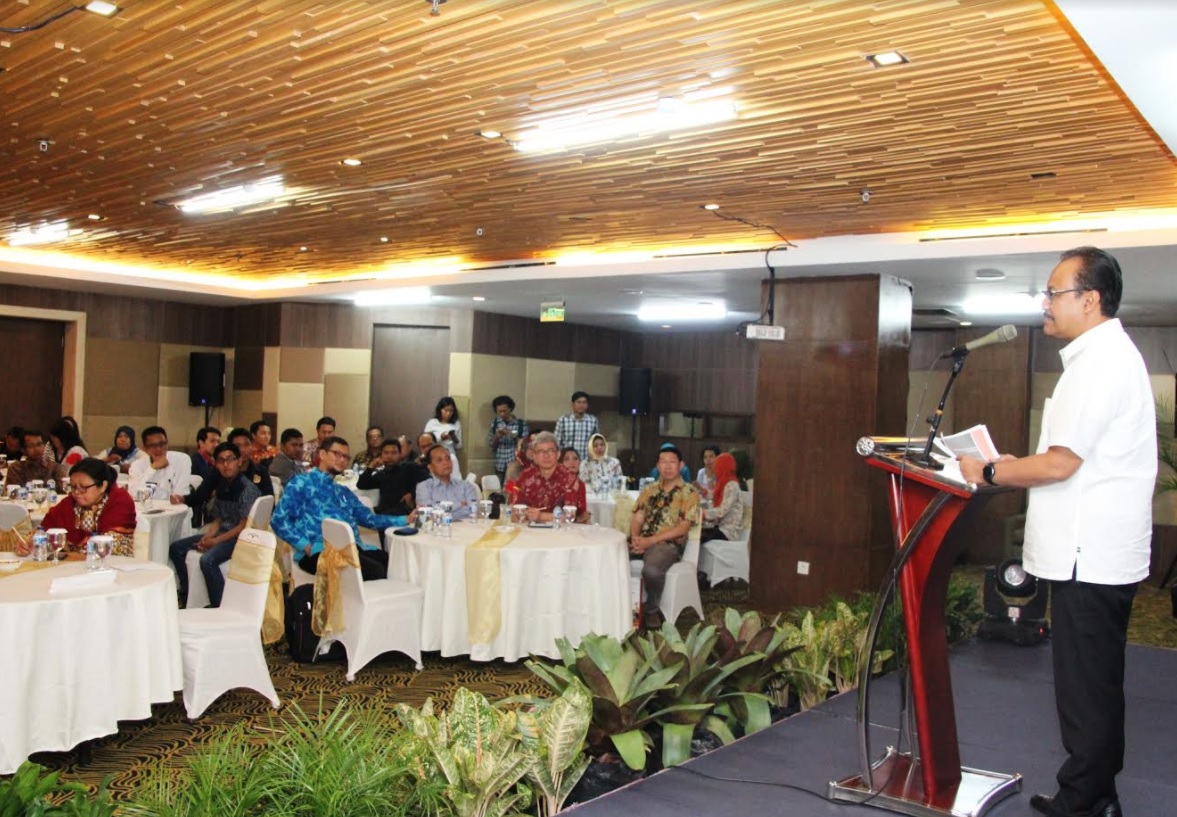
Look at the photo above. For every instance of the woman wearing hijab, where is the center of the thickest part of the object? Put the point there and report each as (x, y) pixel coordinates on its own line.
(725, 518)
(599, 470)
(123, 452)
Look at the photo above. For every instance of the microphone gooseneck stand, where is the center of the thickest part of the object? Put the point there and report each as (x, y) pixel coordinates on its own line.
(925, 459)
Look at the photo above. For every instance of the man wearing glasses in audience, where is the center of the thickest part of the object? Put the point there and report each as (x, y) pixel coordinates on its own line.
(234, 498)
(168, 471)
(314, 496)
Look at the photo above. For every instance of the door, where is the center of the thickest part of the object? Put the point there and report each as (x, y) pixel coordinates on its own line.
(32, 351)
(410, 373)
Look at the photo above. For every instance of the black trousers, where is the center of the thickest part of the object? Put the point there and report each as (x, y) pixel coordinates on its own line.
(373, 564)
(1089, 632)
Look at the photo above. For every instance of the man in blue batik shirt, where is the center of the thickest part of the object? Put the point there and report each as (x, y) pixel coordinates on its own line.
(314, 496)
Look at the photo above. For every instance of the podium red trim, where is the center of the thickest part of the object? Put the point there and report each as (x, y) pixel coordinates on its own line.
(929, 780)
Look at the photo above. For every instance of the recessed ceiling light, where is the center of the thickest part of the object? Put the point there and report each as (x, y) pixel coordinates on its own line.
(302, 249)
(351, 161)
(478, 298)
(673, 310)
(590, 127)
(665, 326)
(710, 206)
(99, 7)
(94, 217)
(989, 274)
(965, 323)
(882, 60)
(46, 233)
(383, 239)
(489, 134)
(231, 198)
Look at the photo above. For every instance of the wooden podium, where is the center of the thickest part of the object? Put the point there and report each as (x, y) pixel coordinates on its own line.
(928, 781)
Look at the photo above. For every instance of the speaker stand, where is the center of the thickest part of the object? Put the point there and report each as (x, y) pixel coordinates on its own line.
(206, 408)
(633, 444)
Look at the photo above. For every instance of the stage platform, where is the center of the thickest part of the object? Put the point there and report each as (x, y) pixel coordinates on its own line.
(1005, 718)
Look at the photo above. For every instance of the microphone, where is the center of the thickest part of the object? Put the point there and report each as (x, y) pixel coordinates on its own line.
(1002, 334)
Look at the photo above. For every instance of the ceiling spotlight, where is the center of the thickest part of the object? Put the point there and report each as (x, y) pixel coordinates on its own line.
(710, 206)
(94, 217)
(865, 196)
(302, 249)
(434, 7)
(101, 8)
(478, 298)
(886, 58)
(965, 323)
(351, 162)
(989, 274)
(489, 134)
(383, 239)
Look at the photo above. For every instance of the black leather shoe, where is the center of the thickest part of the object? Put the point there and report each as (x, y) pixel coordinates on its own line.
(1046, 805)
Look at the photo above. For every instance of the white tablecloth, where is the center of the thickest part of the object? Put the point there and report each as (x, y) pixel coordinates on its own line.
(76, 664)
(159, 526)
(554, 583)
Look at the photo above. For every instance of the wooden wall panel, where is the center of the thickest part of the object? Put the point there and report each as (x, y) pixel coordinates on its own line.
(345, 326)
(512, 336)
(249, 367)
(840, 374)
(32, 399)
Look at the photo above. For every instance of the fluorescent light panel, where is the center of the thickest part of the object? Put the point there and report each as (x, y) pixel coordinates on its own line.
(101, 8)
(232, 198)
(402, 296)
(586, 129)
(679, 311)
(1017, 303)
(45, 234)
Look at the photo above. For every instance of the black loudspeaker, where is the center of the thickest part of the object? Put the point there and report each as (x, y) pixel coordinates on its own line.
(206, 379)
(635, 392)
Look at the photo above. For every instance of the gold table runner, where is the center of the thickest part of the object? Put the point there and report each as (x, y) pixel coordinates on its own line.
(484, 606)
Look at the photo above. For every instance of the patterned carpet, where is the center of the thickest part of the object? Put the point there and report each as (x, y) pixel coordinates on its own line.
(168, 738)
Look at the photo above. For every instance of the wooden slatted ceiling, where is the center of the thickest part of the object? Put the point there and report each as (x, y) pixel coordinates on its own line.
(172, 98)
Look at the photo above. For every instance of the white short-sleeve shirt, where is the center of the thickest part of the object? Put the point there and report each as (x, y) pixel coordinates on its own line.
(174, 479)
(1097, 525)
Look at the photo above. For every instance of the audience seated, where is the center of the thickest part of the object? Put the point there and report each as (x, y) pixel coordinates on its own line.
(233, 499)
(374, 437)
(68, 448)
(207, 439)
(662, 517)
(396, 481)
(13, 443)
(705, 479)
(570, 460)
(443, 485)
(168, 471)
(684, 469)
(546, 484)
(255, 474)
(33, 466)
(94, 504)
(260, 437)
(599, 469)
(324, 428)
(289, 460)
(123, 453)
(725, 518)
(314, 496)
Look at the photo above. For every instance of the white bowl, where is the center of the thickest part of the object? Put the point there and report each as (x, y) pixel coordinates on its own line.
(10, 566)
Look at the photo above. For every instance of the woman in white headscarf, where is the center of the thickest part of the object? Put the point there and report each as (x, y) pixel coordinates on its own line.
(598, 470)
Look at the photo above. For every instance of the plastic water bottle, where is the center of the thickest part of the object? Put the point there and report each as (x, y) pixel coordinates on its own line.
(557, 515)
(51, 497)
(91, 556)
(447, 524)
(40, 545)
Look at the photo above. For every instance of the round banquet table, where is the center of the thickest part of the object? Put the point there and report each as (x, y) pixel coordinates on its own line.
(553, 583)
(77, 662)
(157, 527)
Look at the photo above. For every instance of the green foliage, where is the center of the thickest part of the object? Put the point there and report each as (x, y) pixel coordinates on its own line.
(475, 750)
(963, 611)
(744, 701)
(622, 681)
(337, 764)
(33, 792)
(553, 738)
(808, 668)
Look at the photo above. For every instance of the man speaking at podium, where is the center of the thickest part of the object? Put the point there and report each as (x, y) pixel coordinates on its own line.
(1089, 522)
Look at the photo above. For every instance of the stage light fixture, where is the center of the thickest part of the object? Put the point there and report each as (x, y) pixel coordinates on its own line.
(1015, 610)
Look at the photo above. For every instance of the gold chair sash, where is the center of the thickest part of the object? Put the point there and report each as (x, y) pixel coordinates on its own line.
(327, 614)
(19, 535)
(251, 563)
(484, 606)
(274, 620)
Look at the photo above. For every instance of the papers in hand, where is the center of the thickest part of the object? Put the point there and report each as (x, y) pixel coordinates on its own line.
(972, 442)
(79, 582)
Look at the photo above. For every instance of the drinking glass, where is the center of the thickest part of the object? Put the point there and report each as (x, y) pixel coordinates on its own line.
(103, 545)
(519, 514)
(40, 495)
(151, 488)
(57, 544)
(569, 514)
(485, 506)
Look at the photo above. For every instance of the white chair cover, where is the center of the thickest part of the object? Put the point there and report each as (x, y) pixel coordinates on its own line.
(472, 478)
(491, 483)
(194, 481)
(259, 519)
(11, 514)
(682, 583)
(379, 616)
(222, 648)
(728, 559)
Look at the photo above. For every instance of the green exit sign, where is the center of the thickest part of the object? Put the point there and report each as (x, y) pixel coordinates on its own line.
(551, 312)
